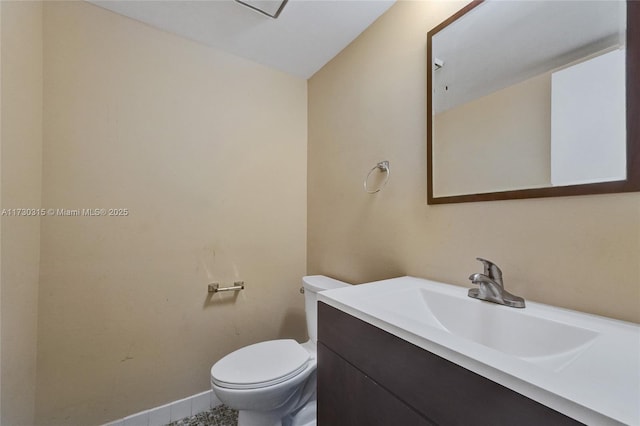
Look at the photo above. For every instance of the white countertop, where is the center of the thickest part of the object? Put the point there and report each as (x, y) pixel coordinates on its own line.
(599, 384)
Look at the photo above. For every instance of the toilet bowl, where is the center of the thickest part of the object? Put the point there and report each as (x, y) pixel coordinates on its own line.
(273, 383)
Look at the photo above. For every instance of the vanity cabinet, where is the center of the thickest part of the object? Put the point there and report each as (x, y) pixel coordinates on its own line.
(368, 377)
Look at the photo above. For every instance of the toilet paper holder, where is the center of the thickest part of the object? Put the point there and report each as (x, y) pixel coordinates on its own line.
(215, 287)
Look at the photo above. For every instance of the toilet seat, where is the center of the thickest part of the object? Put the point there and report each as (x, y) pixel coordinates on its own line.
(260, 365)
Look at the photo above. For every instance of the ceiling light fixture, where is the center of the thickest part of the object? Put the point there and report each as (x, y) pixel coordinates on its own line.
(270, 8)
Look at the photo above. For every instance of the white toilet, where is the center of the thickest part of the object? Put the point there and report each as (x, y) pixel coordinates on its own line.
(273, 383)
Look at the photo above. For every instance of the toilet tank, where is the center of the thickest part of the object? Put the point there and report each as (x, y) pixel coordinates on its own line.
(312, 285)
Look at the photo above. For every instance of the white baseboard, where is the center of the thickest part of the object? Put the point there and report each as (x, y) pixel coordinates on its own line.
(171, 412)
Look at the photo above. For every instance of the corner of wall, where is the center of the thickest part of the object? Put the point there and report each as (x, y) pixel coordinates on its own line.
(21, 102)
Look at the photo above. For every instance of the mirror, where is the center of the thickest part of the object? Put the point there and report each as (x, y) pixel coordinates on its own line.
(534, 99)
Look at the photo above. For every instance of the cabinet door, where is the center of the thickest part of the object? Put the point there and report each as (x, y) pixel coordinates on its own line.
(346, 397)
(434, 387)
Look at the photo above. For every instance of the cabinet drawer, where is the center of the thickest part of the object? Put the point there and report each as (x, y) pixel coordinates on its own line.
(438, 389)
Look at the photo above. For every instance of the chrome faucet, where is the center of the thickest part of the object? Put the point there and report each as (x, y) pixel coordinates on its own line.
(491, 287)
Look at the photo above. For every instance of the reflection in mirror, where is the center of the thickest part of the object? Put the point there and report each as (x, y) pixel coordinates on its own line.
(529, 95)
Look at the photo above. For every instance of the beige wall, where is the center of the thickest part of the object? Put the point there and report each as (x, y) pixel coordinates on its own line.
(21, 160)
(1, 204)
(208, 153)
(368, 104)
(499, 142)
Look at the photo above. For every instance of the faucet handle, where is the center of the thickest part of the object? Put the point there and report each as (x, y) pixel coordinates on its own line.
(491, 270)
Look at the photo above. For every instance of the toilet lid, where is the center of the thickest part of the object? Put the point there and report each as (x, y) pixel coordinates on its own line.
(260, 365)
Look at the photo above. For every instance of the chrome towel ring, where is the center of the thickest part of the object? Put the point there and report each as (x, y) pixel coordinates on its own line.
(383, 166)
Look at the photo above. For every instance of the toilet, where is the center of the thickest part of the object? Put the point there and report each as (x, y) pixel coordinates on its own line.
(273, 383)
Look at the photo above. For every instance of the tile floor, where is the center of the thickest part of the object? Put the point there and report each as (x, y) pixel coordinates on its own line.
(219, 416)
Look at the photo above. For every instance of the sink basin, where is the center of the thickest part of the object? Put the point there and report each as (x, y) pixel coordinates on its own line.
(582, 365)
(550, 344)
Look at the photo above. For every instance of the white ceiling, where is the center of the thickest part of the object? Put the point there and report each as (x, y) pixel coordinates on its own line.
(306, 35)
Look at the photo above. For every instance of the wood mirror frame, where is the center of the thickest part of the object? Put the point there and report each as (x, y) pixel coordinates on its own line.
(632, 182)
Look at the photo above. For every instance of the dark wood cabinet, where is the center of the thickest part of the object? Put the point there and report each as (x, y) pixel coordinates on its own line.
(368, 377)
